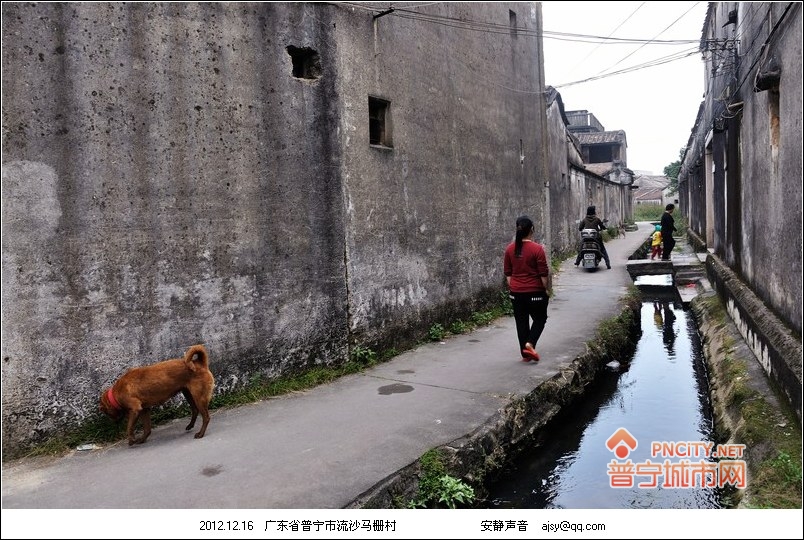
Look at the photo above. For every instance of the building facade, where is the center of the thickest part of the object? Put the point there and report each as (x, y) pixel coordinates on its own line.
(741, 176)
(576, 183)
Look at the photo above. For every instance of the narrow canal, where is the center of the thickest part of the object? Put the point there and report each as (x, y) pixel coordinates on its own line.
(659, 395)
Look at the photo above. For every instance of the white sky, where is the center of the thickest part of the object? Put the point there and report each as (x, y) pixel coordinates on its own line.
(655, 106)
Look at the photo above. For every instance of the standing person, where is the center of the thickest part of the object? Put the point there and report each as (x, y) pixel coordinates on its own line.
(528, 276)
(591, 221)
(656, 243)
(668, 228)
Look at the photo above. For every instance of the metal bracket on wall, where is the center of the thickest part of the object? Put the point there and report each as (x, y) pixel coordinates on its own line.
(383, 13)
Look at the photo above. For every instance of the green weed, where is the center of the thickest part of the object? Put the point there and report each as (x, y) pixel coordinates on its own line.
(437, 488)
(483, 318)
(459, 327)
(787, 468)
(437, 332)
(505, 304)
(363, 356)
(453, 491)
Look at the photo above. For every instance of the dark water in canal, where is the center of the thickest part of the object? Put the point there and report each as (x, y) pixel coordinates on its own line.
(660, 395)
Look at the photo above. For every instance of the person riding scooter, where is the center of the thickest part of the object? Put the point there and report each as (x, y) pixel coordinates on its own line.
(591, 221)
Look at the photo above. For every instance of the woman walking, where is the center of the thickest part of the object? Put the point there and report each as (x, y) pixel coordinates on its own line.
(528, 276)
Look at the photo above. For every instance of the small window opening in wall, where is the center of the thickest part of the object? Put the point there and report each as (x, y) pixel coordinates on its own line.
(306, 62)
(512, 22)
(379, 122)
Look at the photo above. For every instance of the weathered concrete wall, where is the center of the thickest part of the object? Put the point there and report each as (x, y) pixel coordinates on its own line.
(170, 177)
(428, 219)
(567, 192)
(607, 196)
(771, 165)
(166, 181)
(590, 189)
(741, 175)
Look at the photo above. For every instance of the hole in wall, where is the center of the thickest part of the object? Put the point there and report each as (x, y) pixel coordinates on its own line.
(306, 62)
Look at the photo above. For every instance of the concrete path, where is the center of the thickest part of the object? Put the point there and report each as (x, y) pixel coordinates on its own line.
(324, 447)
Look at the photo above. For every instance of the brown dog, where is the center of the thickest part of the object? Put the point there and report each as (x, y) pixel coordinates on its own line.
(141, 388)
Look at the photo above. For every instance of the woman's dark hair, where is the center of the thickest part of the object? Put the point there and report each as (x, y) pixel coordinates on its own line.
(590, 210)
(524, 226)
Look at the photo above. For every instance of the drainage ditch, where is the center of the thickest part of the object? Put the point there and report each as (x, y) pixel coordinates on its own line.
(660, 394)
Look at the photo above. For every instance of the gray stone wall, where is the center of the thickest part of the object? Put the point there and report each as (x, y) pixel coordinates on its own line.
(170, 176)
(166, 181)
(748, 207)
(740, 178)
(428, 219)
(769, 219)
(566, 189)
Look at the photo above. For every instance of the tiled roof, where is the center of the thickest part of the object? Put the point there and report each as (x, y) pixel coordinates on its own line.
(651, 181)
(652, 194)
(606, 137)
(599, 169)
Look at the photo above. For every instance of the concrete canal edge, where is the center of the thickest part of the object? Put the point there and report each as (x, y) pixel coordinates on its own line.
(748, 409)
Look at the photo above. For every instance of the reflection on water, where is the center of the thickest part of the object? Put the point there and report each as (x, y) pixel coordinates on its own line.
(661, 395)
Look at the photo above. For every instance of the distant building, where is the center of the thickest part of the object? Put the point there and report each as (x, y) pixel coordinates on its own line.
(597, 144)
(574, 182)
(651, 189)
(603, 152)
(583, 121)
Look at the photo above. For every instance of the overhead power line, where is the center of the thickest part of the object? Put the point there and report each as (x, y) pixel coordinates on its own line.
(657, 35)
(651, 63)
(497, 28)
(610, 34)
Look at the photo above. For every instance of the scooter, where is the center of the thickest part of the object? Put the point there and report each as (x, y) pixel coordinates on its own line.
(590, 249)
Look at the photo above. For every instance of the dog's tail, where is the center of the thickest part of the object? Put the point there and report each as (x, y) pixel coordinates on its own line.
(196, 356)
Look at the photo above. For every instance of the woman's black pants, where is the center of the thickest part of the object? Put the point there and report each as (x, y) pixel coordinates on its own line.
(529, 306)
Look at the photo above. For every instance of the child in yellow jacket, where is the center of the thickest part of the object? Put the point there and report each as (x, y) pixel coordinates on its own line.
(656, 243)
